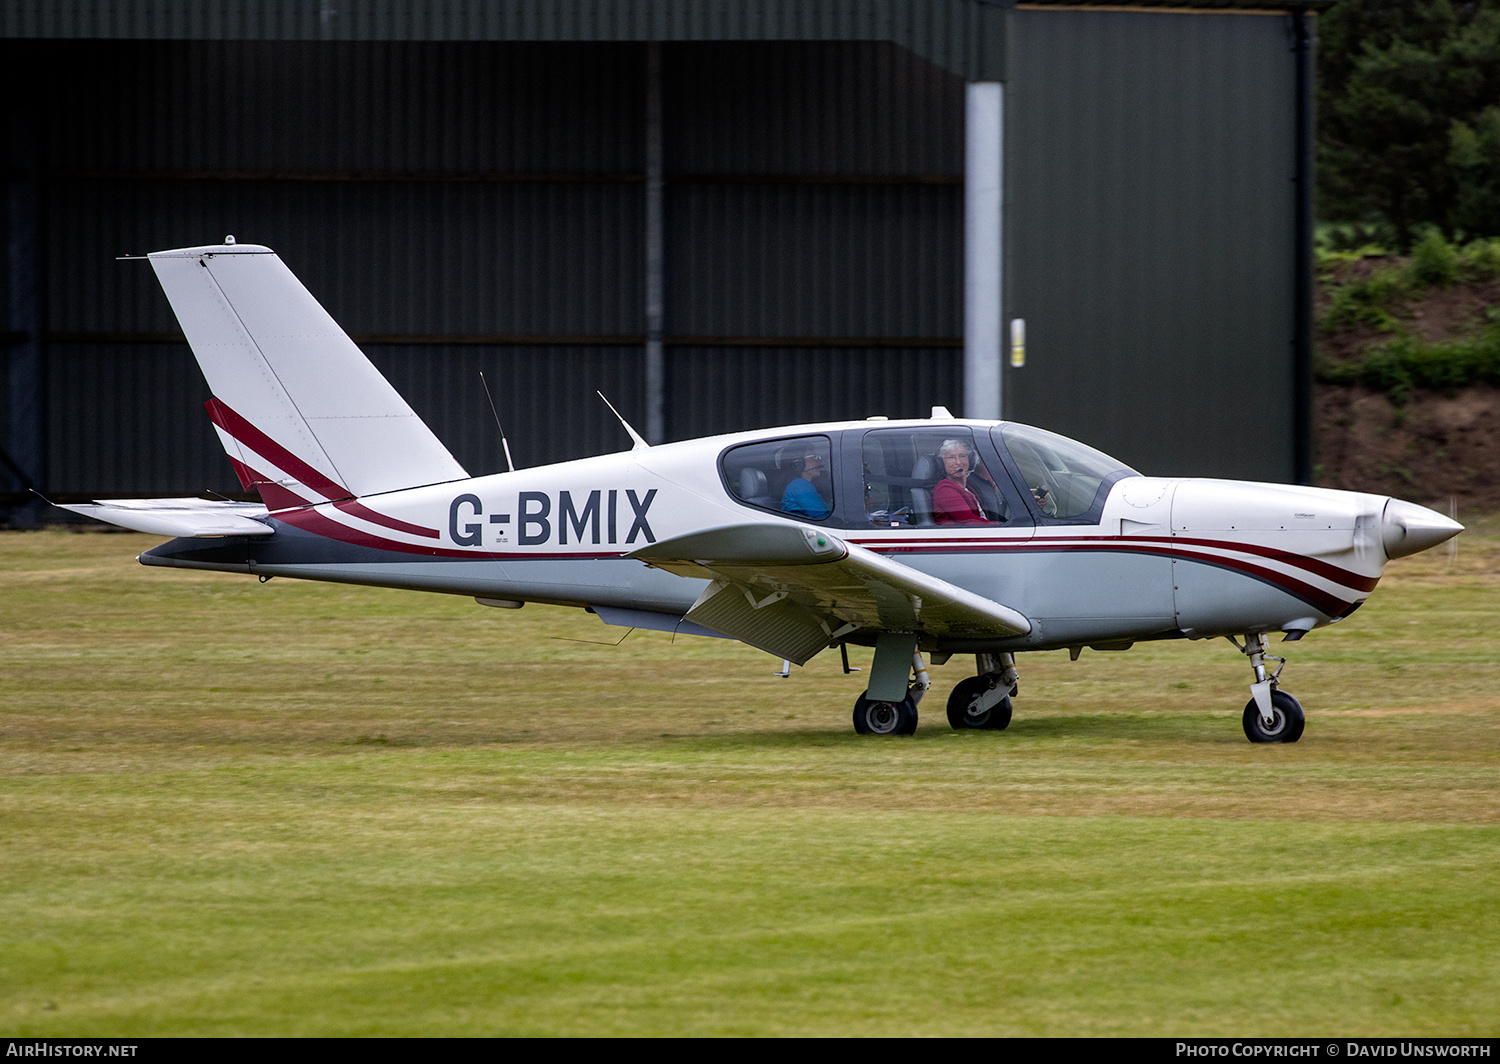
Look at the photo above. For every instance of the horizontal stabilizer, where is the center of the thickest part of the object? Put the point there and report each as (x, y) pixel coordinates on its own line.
(179, 517)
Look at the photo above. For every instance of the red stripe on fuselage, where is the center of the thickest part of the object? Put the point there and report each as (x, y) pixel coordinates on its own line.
(359, 509)
(225, 417)
(1322, 600)
(312, 521)
(1350, 579)
(1347, 578)
(241, 430)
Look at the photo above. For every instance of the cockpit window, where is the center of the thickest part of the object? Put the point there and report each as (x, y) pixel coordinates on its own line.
(928, 477)
(1064, 475)
(792, 476)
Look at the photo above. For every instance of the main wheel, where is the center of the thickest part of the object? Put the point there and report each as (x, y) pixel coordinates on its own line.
(963, 715)
(884, 718)
(1287, 725)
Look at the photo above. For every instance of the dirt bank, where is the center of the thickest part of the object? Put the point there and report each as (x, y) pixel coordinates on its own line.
(1434, 446)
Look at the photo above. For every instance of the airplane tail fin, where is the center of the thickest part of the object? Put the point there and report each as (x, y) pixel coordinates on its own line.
(303, 415)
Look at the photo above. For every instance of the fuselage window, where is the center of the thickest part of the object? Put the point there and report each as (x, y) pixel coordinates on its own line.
(791, 476)
(929, 478)
(1064, 475)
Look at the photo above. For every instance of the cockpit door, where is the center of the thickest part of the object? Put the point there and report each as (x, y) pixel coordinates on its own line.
(930, 478)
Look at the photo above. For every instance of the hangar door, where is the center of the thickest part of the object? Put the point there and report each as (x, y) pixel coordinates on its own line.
(1149, 235)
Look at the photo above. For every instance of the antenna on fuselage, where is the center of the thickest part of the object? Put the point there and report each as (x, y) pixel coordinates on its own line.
(640, 442)
(503, 441)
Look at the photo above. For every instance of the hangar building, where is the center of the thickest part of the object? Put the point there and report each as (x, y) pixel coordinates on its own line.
(724, 214)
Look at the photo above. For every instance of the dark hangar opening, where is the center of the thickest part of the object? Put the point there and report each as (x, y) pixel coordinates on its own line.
(467, 205)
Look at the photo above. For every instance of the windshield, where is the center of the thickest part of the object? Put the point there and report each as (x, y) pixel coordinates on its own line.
(1064, 475)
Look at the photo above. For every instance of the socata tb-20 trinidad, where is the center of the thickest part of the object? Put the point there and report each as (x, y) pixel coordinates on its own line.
(937, 537)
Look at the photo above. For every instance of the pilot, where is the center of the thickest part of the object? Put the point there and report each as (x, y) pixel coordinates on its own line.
(953, 503)
(801, 496)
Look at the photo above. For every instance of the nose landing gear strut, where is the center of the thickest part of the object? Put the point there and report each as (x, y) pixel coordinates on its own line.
(1271, 715)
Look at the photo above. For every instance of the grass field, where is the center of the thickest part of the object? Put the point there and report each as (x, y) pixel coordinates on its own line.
(233, 808)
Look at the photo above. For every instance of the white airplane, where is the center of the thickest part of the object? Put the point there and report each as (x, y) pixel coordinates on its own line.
(938, 537)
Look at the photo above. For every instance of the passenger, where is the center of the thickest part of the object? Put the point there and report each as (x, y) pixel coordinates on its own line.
(952, 501)
(801, 496)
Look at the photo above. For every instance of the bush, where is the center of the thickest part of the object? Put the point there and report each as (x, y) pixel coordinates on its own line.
(1434, 261)
(1367, 301)
(1405, 363)
(1480, 260)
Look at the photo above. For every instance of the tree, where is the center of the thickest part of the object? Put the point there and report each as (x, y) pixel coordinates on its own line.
(1409, 116)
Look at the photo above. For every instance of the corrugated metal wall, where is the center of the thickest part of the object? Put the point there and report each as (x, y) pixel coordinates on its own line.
(475, 206)
(966, 37)
(813, 194)
(1149, 191)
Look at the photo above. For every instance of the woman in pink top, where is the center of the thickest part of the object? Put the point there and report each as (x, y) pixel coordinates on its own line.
(952, 501)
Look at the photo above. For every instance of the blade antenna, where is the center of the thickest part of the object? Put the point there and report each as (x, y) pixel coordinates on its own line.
(640, 442)
(595, 642)
(503, 441)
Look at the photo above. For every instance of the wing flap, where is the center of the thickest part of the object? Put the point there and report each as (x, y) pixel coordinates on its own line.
(778, 585)
(178, 517)
(776, 625)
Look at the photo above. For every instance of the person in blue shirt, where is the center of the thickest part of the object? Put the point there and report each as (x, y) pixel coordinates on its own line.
(801, 497)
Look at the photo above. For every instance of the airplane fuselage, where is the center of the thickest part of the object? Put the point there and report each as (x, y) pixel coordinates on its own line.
(1164, 558)
(936, 536)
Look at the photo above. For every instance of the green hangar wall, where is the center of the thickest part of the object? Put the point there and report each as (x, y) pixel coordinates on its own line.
(1152, 243)
(723, 216)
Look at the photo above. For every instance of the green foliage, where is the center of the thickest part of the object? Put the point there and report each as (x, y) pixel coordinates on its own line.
(1409, 131)
(1374, 300)
(1367, 301)
(1482, 259)
(1338, 243)
(1352, 241)
(1406, 362)
(1434, 261)
(1474, 154)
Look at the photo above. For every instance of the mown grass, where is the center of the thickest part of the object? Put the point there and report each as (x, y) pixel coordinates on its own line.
(232, 808)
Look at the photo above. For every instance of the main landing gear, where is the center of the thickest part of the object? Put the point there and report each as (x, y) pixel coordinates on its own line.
(983, 701)
(1271, 715)
(889, 705)
(885, 718)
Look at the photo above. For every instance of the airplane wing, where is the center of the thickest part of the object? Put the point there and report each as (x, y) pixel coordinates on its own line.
(179, 517)
(790, 589)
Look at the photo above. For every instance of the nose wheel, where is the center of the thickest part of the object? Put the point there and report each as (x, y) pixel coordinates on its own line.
(1271, 715)
(1286, 721)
